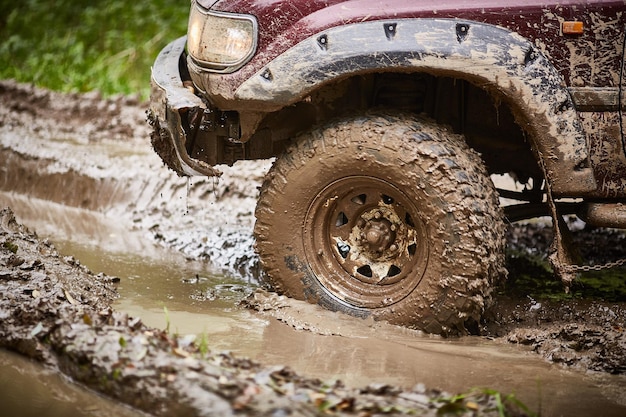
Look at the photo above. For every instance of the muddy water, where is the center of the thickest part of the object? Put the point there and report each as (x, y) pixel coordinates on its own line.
(167, 291)
(28, 390)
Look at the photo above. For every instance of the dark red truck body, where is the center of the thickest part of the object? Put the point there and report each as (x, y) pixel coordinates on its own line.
(287, 23)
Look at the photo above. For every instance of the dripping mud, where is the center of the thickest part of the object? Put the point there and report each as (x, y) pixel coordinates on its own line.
(143, 287)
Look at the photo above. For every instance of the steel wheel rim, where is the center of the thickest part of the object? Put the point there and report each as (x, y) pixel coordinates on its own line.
(365, 241)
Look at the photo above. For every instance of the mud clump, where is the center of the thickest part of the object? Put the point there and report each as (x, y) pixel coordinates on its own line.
(591, 347)
(584, 329)
(585, 334)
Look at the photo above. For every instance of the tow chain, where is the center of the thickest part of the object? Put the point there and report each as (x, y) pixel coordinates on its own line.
(557, 261)
(588, 268)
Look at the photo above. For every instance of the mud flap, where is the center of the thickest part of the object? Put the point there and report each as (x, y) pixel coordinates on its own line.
(563, 252)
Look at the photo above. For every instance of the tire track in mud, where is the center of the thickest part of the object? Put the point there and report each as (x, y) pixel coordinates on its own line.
(86, 152)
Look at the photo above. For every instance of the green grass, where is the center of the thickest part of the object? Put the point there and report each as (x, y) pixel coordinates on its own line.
(464, 403)
(533, 276)
(82, 45)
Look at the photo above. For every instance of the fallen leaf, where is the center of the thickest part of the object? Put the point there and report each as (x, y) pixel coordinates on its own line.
(471, 405)
(181, 353)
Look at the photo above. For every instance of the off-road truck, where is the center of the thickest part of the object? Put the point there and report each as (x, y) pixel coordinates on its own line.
(388, 120)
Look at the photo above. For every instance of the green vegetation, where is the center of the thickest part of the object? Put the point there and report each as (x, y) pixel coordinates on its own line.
(203, 345)
(167, 320)
(82, 45)
(10, 246)
(532, 276)
(463, 403)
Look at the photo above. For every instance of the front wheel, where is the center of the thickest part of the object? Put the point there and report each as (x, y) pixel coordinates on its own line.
(390, 216)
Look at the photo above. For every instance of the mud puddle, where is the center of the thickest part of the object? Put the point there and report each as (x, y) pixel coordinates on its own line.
(328, 346)
(168, 291)
(184, 297)
(29, 390)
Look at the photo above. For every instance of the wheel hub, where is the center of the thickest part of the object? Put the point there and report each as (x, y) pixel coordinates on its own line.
(370, 245)
(381, 247)
(377, 234)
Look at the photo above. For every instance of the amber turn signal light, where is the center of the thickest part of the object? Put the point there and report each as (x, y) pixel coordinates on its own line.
(572, 28)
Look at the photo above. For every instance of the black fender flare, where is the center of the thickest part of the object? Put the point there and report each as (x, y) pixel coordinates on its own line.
(491, 57)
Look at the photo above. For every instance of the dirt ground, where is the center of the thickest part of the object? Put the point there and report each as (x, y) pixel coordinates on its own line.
(59, 313)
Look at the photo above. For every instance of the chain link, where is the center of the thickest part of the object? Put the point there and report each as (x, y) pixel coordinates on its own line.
(568, 269)
(587, 268)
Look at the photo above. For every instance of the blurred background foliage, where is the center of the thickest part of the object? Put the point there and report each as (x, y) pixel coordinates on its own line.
(85, 45)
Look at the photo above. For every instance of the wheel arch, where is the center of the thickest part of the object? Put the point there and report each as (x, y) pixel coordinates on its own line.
(502, 62)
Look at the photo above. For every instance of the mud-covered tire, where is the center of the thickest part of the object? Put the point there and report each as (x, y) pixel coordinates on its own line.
(389, 216)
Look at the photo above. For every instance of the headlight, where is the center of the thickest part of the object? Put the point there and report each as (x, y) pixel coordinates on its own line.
(221, 42)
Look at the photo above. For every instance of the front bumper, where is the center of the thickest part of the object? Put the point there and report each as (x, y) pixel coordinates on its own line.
(170, 100)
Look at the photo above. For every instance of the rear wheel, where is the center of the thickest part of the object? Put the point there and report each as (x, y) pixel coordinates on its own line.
(390, 216)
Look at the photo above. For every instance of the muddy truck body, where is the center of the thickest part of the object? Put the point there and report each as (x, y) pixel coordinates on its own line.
(388, 121)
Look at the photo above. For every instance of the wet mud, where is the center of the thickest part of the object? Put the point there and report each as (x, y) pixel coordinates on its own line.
(54, 310)
(314, 342)
(94, 342)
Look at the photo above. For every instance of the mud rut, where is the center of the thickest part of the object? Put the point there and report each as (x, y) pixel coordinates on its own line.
(65, 147)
